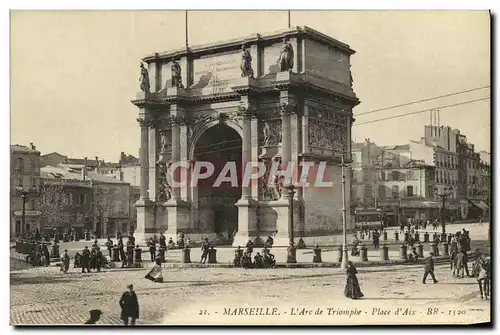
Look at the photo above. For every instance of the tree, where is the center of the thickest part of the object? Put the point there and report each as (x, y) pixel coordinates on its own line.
(104, 199)
(53, 204)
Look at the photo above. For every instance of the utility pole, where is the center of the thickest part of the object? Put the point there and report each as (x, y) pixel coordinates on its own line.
(345, 255)
(291, 252)
(289, 19)
(23, 194)
(445, 194)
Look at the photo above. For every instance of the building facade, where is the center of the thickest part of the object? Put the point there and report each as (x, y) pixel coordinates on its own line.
(24, 179)
(284, 96)
(72, 199)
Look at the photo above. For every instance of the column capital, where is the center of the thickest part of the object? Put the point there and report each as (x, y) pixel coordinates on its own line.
(287, 108)
(146, 122)
(177, 120)
(247, 112)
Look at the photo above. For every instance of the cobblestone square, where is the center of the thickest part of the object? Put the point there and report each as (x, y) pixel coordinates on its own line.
(200, 296)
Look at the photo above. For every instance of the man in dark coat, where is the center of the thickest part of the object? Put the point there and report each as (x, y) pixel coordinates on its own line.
(152, 249)
(205, 246)
(249, 247)
(130, 306)
(109, 246)
(163, 241)
(85, 259)
(429, 268)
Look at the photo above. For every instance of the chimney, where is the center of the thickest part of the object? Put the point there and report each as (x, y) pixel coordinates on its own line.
(84, 170)
(32, 146)
(96, 164)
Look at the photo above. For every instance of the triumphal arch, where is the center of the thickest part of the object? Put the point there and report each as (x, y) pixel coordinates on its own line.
(284, 97)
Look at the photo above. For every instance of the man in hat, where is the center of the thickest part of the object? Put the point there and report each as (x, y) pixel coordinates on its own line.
(130, 306)
(205, 246)
(85, 259)
(429, 268)
(95, 315)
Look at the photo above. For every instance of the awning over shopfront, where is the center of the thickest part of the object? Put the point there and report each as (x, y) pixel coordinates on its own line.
(480, 204)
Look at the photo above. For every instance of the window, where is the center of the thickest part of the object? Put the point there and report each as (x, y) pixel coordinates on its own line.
(20, 164)
(382, 175)
(71, 199)
(395, 191)
(395, 175)
(381, 192)
(33, 183)
(27, 165)
(430, 191)
(409, 191)
(20, 182)
(33, 204)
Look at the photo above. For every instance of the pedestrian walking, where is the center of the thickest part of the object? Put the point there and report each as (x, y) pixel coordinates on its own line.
(130, 306)
(352, 289)
(205, 246)
(109, 246)
(429, 268)
(65, 261)
(484, 279)
(156, 275)
(152, 249)
(460, 264)
(86, 260)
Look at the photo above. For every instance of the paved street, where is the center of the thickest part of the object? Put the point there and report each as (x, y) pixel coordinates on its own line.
(46, 296)
(199, 296)
(225, 254)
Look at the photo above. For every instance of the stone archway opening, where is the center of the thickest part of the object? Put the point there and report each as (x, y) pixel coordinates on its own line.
(221, 146)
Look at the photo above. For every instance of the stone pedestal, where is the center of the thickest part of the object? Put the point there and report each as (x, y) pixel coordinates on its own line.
(145, 220)
(247, 224)
(282, 209)
(178, 216)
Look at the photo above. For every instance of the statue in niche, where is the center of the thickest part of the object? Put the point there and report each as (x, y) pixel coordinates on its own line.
(165, 143)
(277, 180)
(272, 134)
(285, 60)
(246, 62)
(267, 134)
(176, 74)
(144, 79)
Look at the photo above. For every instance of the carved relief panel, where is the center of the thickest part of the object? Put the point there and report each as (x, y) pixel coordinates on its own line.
(327, 131)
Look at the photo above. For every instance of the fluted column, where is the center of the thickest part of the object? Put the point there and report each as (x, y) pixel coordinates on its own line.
(286, 156)
(144, 158)
(176, 155)
(246, 155)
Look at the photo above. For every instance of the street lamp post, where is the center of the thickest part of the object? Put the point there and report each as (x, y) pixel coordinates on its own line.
(291, 255)
(443, 195)
(344, 219)
(24, 195)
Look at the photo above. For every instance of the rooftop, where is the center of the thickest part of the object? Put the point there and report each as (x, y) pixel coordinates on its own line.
(66, 173)
(251, 39)
(18, 148)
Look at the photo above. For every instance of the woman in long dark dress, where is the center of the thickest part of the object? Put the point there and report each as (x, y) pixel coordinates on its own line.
(156, 275)
(352, 289)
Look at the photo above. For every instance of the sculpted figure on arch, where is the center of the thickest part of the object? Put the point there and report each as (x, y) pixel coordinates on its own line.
(285, 60)
(144, 79)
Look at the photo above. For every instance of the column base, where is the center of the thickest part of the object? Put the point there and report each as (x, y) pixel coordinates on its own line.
(282, 208)
(178, 216)
(247, 224)
(145, 220)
